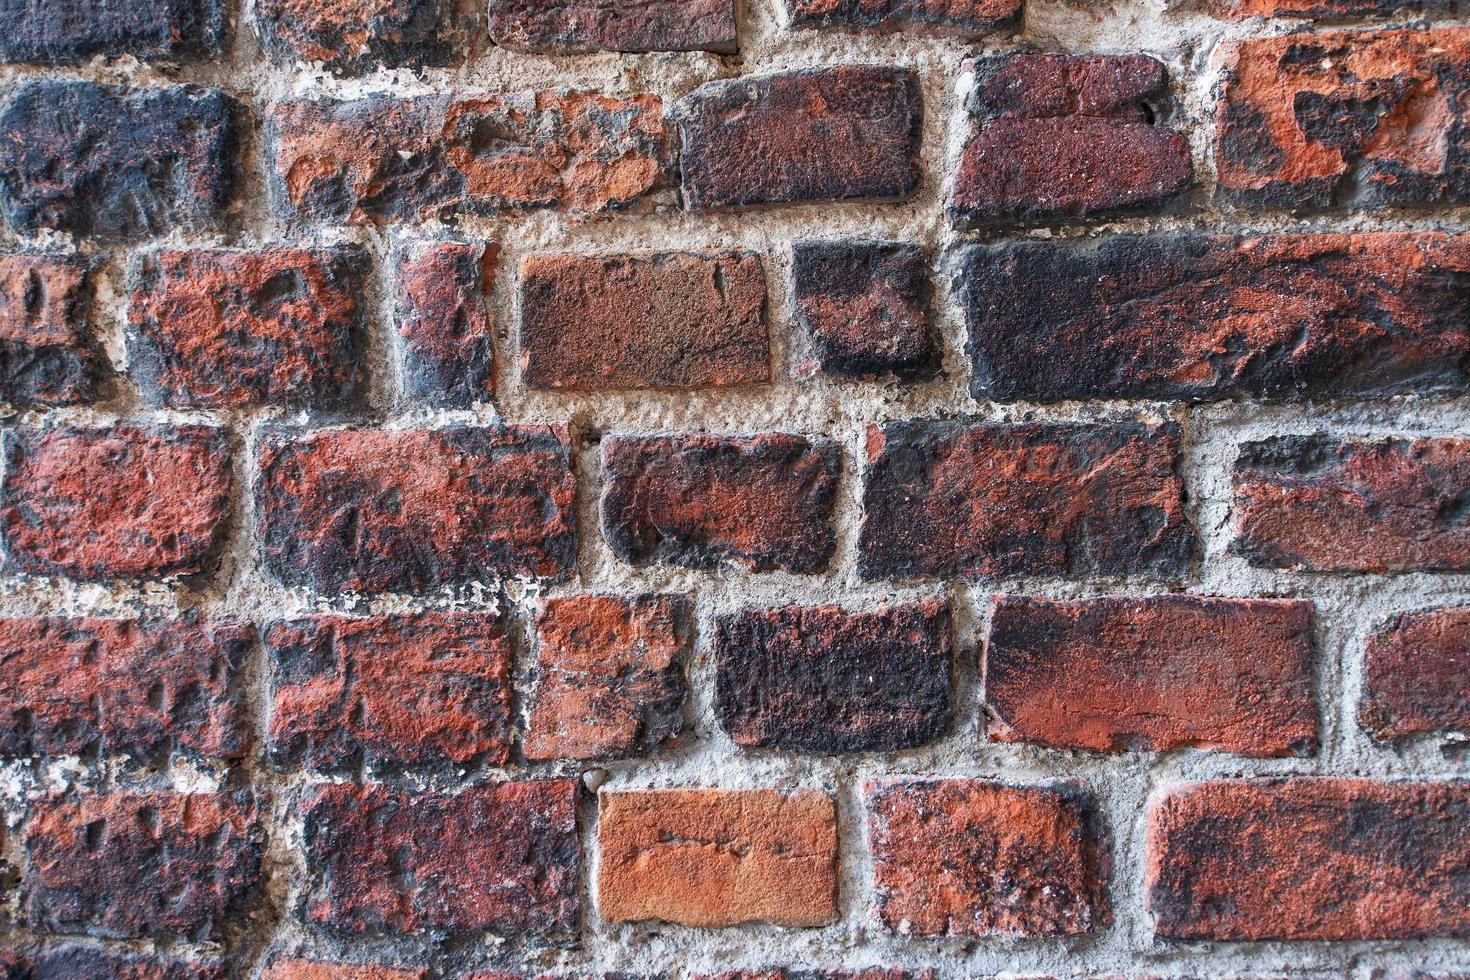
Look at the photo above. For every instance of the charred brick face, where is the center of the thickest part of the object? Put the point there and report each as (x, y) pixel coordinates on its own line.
(570, 26)
(48, 351)
(356, 35)
(73, 961)
(823, 680)
(1418, 675)
(960, 498)
(498, 857)
(969, 858)
(812, 135)
(1310, 859)
(290, 969)
(1323, 504)
(763, 503)
(1119, 673)
(964, 17)
(445, 328)
(75, 30)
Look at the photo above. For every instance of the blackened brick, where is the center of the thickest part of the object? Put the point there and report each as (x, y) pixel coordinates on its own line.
(445, 328)
(961, 17)
(568, 26)
(1418, 675)
(77, 962)
(75, 30)
(48, 351)
(357, 36)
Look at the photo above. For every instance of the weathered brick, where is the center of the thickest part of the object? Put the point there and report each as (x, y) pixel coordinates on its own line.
(75, 30)
(1362, 119)
(1149, 674)
(406, 510)
(1321, 9)
(947, 498)
(116, 162)
(358, 35)
(644, 320)
(445, 328)
(48, 352)
(820, 679)
(712, 857)
(1323, 504)
(76, 962)
(1418, 675)
(863, 307)
(570, 26)
(1197, 318)
(961, 17)
(1067, 136)
(762, 502)
(867, 973)
(609, 676)
(133, 865)
(228, 329)
(1310, 859)
(817, 134)
(498, 857)
(292, 969)
(126, 502)
(384, 159)
(967, 857)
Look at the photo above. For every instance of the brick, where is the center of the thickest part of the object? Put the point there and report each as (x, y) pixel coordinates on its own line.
(1418, 675)
(383, 159)
(58, 31)
(75, 961)
(819, 134)
(135, 865)
(762, 503)
(946, 498)
(863, 307)
(865, 973)
(408, 510)
(644, 320)
(228, 329)
(88, 159)
(1361, 119)
(967, 857)
(1198, 318)
(48, 350)
(965, 18)
(357, 36)
(713, 857)
(609, 676)
(1120, 673)
(820, 679)
(125, 502)
(1322, 9)
(390, 690)
(290, 969)
(498, 857)
(1067, 136)
(1310, 859)
(446, 331)
(1323, 504)
(574, 26)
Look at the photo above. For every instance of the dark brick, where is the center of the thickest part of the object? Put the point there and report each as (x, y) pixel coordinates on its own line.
(819, 134)
(75, 962)
(947, 498)
(75, 30)
(359, 35)
(288, 969)
(644, 320)
(570, 26)
(763, 503)
(445, 328)
(961, 17)
(48, 351)
(820, 679)
(1418, 675)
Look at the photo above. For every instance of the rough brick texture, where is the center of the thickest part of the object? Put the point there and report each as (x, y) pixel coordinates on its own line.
(48, 352)
(292, 969)
(1418, 675)
(570, 26)
(75, 30)
(356, 35)
(73, 961)
(962, 17)
(446, 331)
(1321, 9)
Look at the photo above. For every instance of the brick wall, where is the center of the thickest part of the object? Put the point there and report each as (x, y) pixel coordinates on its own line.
(830, 489)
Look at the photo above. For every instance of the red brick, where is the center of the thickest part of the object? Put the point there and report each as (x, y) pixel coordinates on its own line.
(1366, 119)
(1320, 9)
(947, 498)
(1067, 136)
(960, 17)
(713, 857)
(60, 31)
(288, 969)
(966, 857)
(77, 962)
(358, 35)
(408, 510)
(1149, 674)
(1310, 859)
(227, 329)
(497, 857)
(571, 26)
(445, 328)
(1323, 504)
(48, 351)
(819, 134)
(133, 865)
(763, 503)
(1418, 675)
(125, 502)
(609, 676)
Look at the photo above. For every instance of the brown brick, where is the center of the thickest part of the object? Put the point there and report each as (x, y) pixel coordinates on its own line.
(1362, 119)
(1310, 859)
(609, 676)
(497, 857)
(762, 502)
(967, 857)
(48, 351)
(712, 857)
(125, 502)
(820, 679)
(78, 962)
(644, 320)
(409, 510)
(960, 17)
(571, 26)
(1323, 504)
(227, 329)
(818, 134)
(61, 31)
(445, 328)
(1418, 675)
(290, 969)
(359, 35)
(947, 498)
(133, 865)
(1199, 318)
(1067, 136)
